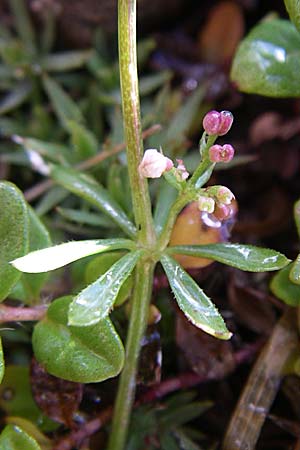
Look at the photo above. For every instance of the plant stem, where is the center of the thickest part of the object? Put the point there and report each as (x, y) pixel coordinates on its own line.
(138, 321)
(16, 314)
(143, 219)
(131, 119)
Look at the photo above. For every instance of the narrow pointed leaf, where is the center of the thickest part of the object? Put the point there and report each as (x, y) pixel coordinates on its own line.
(60, 255)
(193, 301)
(267, 61)
(14, 234)
(85, 217)
(54, 152)
(166, 196)
(95, 301)
(14, 438)
(295, 271)
(243, 257)
(64, 106)
(88, 189)
(16, 97)
(61, 62)
(284, 289)
(82, 354)
(293, 8)
(84, 141)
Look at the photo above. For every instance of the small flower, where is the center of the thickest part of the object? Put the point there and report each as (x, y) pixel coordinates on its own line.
(181, 170)
(206, 204)
(224, 195)
(217, 123)
(154, 164)
(221, 153)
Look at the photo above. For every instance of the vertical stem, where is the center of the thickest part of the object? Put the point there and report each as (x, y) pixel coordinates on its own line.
(143, 218)
(138, 321)
(131, 118)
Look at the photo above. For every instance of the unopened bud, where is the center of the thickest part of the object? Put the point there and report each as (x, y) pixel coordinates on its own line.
(154, 164)
(217, 123)
(224, 195)
(221, 153)
(206, 204)
(181, 170)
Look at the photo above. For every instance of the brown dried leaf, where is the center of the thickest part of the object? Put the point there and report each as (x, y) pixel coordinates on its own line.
(206, 355)
(58, 399)
(223, 31)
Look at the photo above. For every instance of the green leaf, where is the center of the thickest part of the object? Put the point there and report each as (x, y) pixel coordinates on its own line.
(62, 254)
(182, 121)
(64, 61)
(293, 8)
(54, 152)
(295, 271)
(64, 106)
(193, 301)
(297, 216)
(83, 140)
(284, 289)
(267, 61)
(85, 217)
(243, 257)
(16, 97)
(31, 429)
(99, 265)
(88, 189)
(14, 234)
(95, 301)
(2, 364)
(31, 285)
(14, 438)
(87, 354)
(23, 24)
(166, 196)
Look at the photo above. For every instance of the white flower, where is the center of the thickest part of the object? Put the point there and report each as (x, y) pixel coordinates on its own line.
(154, 164)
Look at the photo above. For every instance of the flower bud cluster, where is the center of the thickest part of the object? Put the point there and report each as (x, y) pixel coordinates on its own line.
(217, 123)
(216, 199)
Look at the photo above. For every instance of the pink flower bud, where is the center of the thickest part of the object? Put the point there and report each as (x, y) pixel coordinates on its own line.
(217, 123)
(154, 164)
(224, 195)
(206, 204)
(181, 170)
(219, 153)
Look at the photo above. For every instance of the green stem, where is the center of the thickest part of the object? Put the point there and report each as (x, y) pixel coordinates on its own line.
(138, 322)
(143, 219)
(132, 121)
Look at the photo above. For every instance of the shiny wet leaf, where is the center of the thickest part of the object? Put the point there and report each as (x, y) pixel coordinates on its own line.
(62, 254)
(96, 301)
(193, 301)
(267, 61)
(243, 257)
(14, 438)
(284, 289)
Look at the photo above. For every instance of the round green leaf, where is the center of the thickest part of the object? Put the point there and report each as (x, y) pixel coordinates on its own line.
(14, 234)
(83, 354)
(14, 438)
(267, 61)
(284, 289)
